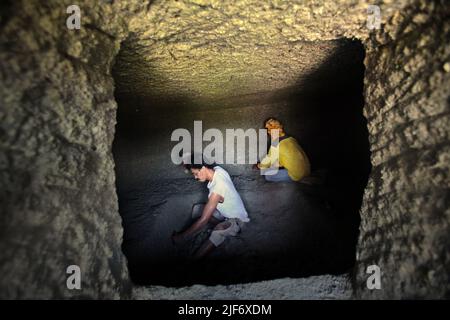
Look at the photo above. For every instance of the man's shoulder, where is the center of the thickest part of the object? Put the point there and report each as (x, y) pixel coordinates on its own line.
(222, 174)
(288, 141)
(220, 170)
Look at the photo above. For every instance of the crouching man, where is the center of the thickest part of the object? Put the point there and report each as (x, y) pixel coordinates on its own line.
(286, 160)
(224, 208)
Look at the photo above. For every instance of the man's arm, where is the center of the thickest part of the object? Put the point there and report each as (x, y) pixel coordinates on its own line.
(207, 213)
(266, 161)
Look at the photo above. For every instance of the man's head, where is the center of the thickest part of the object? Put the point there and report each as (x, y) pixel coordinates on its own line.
(201, 171)
(273, 124)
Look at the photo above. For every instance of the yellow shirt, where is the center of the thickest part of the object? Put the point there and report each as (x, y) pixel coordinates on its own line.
(291, 157)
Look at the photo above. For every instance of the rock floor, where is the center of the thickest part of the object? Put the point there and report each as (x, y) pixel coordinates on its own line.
(325, 287)
(293, 232)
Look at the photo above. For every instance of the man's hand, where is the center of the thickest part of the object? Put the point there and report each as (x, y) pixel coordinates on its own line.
(180, 237)
(256, 166)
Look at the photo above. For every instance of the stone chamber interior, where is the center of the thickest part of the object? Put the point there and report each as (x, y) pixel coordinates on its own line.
(296, 229)
(85, 121)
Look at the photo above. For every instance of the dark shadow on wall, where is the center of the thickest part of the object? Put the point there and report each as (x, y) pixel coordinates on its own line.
(333, 129)
(333, 132)
(6, 9)
(296, 230)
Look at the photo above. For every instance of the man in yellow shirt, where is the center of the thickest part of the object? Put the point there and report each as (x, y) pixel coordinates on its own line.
(286, 160)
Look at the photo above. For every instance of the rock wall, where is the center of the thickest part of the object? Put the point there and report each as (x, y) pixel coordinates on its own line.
(58, 200)
(406, 212)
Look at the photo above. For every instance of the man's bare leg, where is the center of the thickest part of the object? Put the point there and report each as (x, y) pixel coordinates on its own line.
(204, 250)
(208, 246)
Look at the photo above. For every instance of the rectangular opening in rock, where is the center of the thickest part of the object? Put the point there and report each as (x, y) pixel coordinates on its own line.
(296, 229)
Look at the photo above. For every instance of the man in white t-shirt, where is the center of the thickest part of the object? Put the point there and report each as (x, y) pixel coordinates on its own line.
(224, 208)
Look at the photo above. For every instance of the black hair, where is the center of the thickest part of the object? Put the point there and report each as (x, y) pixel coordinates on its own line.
(194, 165)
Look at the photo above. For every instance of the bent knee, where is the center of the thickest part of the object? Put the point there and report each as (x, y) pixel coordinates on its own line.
(223, 226)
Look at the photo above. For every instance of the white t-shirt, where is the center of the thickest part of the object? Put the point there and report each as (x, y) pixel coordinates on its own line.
(232, 205)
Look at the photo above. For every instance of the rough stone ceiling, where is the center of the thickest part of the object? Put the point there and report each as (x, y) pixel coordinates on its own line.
(207, 73)
(187, 50)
